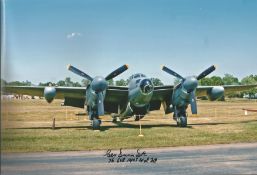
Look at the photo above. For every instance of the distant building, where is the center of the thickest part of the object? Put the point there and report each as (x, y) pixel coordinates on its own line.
(7, 97)
(249, 96)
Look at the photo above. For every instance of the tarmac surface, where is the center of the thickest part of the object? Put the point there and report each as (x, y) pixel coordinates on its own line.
(212, 159)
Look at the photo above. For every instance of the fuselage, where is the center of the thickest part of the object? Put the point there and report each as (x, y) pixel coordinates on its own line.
(140, 91)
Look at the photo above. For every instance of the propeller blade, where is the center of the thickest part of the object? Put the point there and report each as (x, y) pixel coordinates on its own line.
(171, 72)
(117, 72)
(100, 104)
(193, 103)
(206, 72)
(78, 72)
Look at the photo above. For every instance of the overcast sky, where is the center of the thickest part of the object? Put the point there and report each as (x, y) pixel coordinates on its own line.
(97, 36)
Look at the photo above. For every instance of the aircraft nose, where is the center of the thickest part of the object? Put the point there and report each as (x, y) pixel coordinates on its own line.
(190, 84)
(146, 86)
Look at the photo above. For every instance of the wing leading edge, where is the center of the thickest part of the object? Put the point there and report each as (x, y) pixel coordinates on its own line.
(74, 96)
(61, 92)
(118, 95)
(202, 90)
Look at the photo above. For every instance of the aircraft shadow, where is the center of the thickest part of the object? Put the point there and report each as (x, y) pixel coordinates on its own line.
(146, 126)
(128, 125)
(103, 128)
(223, 123)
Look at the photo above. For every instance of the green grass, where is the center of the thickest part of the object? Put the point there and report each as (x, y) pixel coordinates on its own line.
(36, 136)
(27, 140)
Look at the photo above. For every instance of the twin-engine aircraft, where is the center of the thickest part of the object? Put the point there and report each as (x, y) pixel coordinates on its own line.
(137, 99)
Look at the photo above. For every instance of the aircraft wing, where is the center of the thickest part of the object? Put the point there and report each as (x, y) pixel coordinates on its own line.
(74, 96)
(61, 92)
(116, 94)
(161, 95)
(202, 90)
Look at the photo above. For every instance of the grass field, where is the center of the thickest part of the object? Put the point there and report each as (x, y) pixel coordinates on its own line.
(26, 127)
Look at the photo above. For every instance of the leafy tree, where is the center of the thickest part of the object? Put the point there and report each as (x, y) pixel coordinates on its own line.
(177, 81)
(205, 81)
(68, 82)
(156, 82)
(3, 82)
(85, 82)
(229, 79)
(111, 82)
(251, 79)
(60, 83)
(127, 81)
(121, 82)
(213, 81)
(46, 84)
(18, 83)
(217, 81)
(248, 80)
(76, 84)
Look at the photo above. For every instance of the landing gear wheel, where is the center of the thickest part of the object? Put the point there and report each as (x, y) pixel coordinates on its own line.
(182, 121)
(96, 124)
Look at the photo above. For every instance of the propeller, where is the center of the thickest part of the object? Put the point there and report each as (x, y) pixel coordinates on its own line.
(99, 84)
(206, 72)
(191, 83)
(79, 72)
(171, 72)
(117, 72)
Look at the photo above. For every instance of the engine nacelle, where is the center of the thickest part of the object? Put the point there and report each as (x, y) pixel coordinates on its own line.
(215, 93)
(180, 97)
(49, 94)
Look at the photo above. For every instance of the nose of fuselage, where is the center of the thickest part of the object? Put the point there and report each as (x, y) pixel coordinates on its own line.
(146, 86)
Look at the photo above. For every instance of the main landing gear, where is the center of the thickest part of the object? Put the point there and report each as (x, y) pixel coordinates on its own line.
(95, 121)
(96, 124)
(181, 119)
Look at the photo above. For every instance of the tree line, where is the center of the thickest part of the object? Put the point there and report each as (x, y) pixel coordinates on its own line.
(67, 82)
(227, 79)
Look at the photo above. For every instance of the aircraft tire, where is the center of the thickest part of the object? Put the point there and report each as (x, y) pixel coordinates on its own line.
(96, 124)
(182, 121)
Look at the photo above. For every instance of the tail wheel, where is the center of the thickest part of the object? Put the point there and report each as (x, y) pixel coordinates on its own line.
(96, 124)
(182, 121)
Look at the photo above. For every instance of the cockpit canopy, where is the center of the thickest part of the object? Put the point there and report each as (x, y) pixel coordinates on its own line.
(138, 75)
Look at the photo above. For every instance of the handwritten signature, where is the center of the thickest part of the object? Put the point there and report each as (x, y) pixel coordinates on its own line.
(139, 156)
